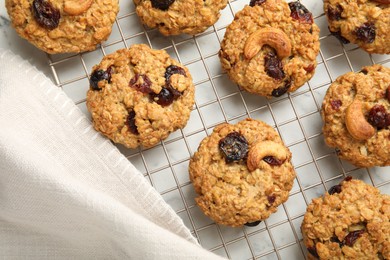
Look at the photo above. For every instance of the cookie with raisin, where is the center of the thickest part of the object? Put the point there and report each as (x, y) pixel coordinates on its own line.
(351, 221)
(241, 173)
(271, 47)
(363, 22)
(356, 115)
(63, 26)
(138, 96)
(173, 17)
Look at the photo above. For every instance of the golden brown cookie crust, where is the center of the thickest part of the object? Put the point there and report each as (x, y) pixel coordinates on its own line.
(249, 73)
(351, 224)
(345, 111)
(75, 33)
(110, 107)
(346, 16)
(230, 193)
(183, 16)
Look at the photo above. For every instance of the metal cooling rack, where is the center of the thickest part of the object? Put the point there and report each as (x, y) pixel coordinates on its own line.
(295, 116)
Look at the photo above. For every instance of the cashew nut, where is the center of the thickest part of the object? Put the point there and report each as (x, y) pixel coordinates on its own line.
(273, 37)
(265, 148)
(76, 7)
(356, 122)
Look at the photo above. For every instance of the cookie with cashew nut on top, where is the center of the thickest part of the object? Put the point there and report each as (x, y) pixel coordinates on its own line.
(350, 221)
(63, 26)
(241, 173)
(173, 17)
(271, 47)
(356, 115)
(362, 22)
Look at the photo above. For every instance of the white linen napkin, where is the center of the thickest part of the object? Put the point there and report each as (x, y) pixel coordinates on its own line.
(65, 191)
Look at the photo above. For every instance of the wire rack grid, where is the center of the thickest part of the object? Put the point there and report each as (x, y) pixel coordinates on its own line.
(295, 116)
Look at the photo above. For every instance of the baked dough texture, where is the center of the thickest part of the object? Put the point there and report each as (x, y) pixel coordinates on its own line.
(352, 221)
(351, 125)
(244, 191)
(268, 51)
(129, 103)
(82, 24)
(182, 16)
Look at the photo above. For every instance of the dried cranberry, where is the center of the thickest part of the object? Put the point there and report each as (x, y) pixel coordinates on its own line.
(130, 122)
(272, 161)
(334, 14)
(46, 14)
(378, 117)
(299, 12)
(336, 104)
(173, 69)
(252, 224)
(166, 96)
(351, 238)
(162, 4)
(366, 32)
(234, 147)
(339, 37)
(281, 90)
(142, 83)
(271, 199)
(388, 93)
(273, 66)
(309, 68)
(256, 2)
(99, 75)
(335, 189)
(313, 251)
(336, 240)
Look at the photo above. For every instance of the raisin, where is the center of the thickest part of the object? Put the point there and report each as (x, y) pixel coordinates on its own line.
(364, 71)
(336, 240)
(309, 68)
(351, 238)
(366, 32)
(273, 66)
(313, 251)
(234, 147)
(166, 96)
(335, 189)
(46, 14)
(339, 37)
(336, 104)
(162, 4)
(271, 199)
(252, 224)
(299, 12)
(173, 69)
(256, 2)
(348, 178)
(99, 75)
(388, 93)
(272, 161)
(142, 83)
(130, 122)
(334, 14)
(281, 90)
(378, 117)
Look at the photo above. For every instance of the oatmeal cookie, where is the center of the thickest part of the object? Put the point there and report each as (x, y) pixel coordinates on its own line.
(351, 221)
(241, 173)
(138, 96)
(356, 115)
(174, 17)
(57, 26)
(270, 48)
(363, 22)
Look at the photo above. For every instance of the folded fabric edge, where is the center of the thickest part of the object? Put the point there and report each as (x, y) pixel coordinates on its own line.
(66, 107)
